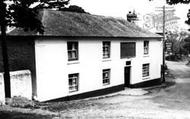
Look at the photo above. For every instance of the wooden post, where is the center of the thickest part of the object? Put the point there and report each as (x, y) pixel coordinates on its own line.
(163, 67)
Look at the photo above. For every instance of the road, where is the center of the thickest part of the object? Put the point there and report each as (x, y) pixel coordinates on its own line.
(178, 95)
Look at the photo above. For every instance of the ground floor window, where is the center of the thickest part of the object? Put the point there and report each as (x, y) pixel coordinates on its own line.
(145, 70)
(73, 82)
(106, 76)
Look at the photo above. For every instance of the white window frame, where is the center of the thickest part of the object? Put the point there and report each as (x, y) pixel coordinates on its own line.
(146, 47)
(73, 52)
(73, 82)
(106, 49)
(146, 70)
(106, 79)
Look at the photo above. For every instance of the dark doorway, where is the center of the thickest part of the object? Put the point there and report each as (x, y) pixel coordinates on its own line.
(127, 74)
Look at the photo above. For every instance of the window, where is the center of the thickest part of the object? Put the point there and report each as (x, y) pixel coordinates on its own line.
(106, 76)
(73, 82)
(106, 49)
(128, 49)
(72, 48)
(146, 47)
(145, 70)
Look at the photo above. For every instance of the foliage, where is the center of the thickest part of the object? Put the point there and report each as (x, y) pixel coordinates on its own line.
(18, 101)
(171, 2)
(172, 58)
(74, 8)
(20, 14)
(57, 4)
(187, 44)
(26, 15)
(178, 43)
(180, 47)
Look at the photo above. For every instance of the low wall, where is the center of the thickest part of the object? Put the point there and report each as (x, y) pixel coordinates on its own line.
(2, 90)
(21, 84)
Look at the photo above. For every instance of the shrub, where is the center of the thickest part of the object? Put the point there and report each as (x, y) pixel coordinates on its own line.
(18, 101)
(172, 58)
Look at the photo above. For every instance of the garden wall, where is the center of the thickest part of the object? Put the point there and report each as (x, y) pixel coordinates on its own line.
(21, 84)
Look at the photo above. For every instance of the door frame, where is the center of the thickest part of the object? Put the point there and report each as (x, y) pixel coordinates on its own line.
(127, 81)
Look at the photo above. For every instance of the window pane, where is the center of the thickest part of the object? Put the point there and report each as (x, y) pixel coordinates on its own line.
(145, 70)
(106, 77)
(128, 49)
(72, 48)
(146, 47)
(106, 49)
(73, 82)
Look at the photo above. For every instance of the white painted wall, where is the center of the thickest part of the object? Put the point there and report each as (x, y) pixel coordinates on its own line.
(2, 90)
(52, 67)
(154, 58)
(21, 83)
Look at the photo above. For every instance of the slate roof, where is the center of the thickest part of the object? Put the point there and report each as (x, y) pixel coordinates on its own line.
(59, 23)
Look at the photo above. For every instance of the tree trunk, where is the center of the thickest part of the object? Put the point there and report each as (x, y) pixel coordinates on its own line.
(4, 49)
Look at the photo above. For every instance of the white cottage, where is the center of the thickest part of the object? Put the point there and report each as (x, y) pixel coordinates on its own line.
(83, 55)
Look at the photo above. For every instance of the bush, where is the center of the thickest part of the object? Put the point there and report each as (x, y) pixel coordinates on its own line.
(21, 102)
(172, 58)
(74, 8)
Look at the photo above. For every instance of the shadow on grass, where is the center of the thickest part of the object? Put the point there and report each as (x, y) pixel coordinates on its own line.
(19, 115)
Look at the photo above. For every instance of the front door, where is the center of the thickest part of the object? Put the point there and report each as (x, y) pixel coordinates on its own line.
(127, 74)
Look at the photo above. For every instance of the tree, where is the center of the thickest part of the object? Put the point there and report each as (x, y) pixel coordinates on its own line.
(171, 2)
(56, 4)
(74, 8)
(187, 44)
(187, 47)
(20, 13)
(178, 41)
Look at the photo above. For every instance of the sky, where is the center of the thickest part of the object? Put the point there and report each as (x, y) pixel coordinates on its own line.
(119, 8)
